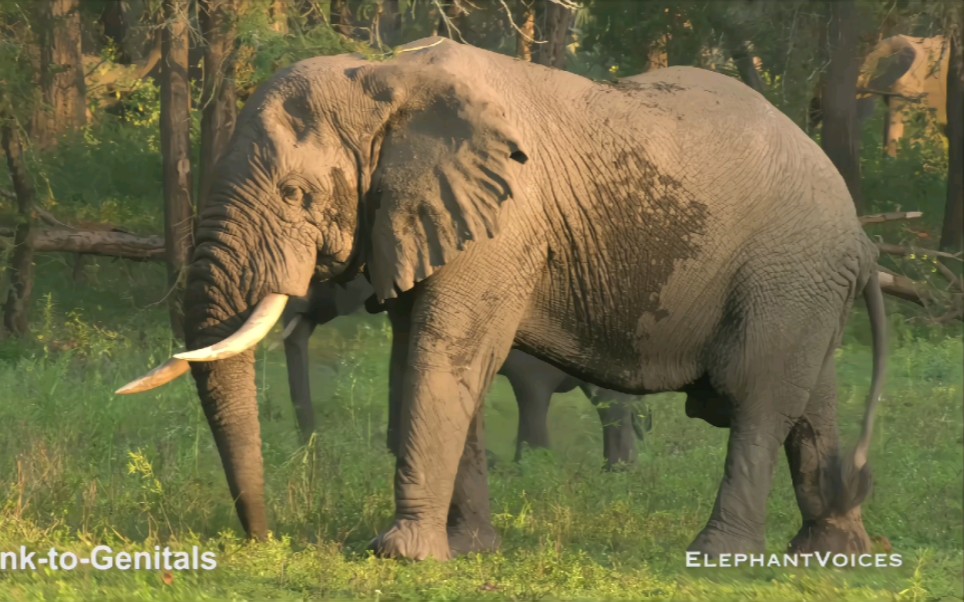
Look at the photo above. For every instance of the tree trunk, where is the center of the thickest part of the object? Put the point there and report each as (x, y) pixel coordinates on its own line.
(554, 31)
(278, 16)
(341, 17)
(218, 99)
(61, 72)
(526, 35)
(841, 140)
(657, 57)
(953, 216)
(743, 57)
(389, 23)
(16, 309)
(176, 152)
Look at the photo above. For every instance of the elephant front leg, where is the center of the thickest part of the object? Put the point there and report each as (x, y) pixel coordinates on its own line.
(299, 384)
(432, 439)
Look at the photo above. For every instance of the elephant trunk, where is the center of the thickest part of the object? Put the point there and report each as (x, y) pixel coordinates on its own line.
(229, 398)
(215, 307)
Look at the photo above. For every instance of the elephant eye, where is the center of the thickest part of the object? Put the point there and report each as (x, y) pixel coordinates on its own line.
(292, 194)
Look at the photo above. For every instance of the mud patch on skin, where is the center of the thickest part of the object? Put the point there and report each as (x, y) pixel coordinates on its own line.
(658, 86)
(620, 242)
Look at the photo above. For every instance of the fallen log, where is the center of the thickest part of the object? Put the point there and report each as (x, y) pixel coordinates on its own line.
(893, 216)
(903, 287)
(93, 242)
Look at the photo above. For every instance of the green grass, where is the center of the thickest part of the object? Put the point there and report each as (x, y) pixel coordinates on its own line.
(81, 467)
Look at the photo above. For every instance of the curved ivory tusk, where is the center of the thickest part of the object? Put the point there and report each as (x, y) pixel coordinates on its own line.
(255, 328)
(163, 374)
(291, 326)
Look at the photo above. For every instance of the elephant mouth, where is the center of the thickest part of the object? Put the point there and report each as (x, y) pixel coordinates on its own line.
(262, 319)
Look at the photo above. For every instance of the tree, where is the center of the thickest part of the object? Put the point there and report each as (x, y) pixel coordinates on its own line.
(175, 122)
(840, 138)
(278, 15)
(526, 35)
(61, 71)
(218, 20)
(341, 17)
(388, 22)
(554, 19)
(953, 215)
(15, 310)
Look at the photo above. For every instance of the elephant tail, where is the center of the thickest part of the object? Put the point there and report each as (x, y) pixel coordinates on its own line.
(856, 478)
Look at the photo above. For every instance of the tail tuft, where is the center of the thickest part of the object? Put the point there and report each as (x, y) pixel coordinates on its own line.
(855, 485)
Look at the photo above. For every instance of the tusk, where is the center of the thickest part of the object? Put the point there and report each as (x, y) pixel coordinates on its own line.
(255, 328)
(291, 326)
(163, 374)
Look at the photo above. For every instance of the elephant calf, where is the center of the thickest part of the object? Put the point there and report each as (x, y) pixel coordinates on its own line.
(533, 381)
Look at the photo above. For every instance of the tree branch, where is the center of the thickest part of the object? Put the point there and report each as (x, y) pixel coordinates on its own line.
(92, 242)
(893, 216)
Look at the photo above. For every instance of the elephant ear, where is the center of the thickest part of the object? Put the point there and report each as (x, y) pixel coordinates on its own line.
(443, 170)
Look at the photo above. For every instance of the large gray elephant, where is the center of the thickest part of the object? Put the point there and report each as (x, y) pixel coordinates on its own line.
(533, 381)
(673, 233)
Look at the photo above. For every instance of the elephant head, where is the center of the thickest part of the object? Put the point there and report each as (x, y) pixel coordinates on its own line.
(336, 165)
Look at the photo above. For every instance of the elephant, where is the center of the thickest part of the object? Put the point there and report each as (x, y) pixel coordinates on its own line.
(903, 71)
(533, 381)
(675, 232)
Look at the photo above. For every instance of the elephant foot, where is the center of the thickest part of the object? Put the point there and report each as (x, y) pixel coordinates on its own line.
(837, 534)
(407, 539)
(716, 539)
(474, 539)
(619, 464)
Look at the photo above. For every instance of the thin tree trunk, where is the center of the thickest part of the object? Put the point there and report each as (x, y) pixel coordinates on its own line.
(743, 57)
(527, 32)
(61, 72)
(16, 309)
(278, 16)
(953, 215)
(341, 18)
(657, 57)
(218, 99)
(176, 152)
(389, 22)
(841, 140)
(556, 21)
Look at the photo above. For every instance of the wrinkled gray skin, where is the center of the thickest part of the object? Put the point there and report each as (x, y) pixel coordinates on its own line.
(533, 381)
(675, 233)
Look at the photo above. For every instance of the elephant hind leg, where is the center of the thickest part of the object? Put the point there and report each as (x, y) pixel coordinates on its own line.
(619, 433)
(770, 392)
(830, 524)
(469, 526)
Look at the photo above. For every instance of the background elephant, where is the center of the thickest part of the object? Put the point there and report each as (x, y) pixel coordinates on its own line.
(672, 233)
(533, 381)
(904, 72)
